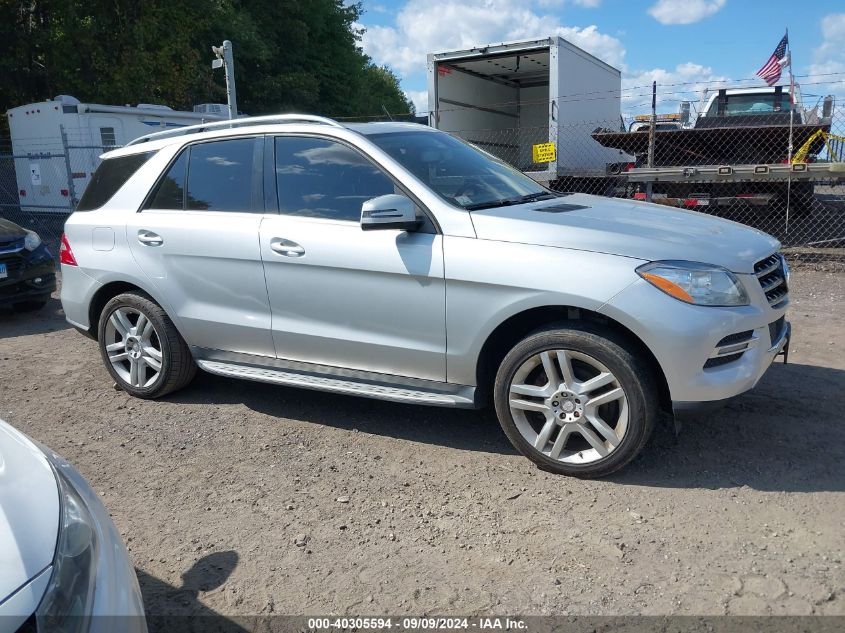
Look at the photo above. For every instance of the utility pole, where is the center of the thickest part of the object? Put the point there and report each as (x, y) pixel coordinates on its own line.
(227, 61)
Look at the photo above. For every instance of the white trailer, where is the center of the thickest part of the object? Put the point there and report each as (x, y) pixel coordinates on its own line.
(56, 144)
(506, 98)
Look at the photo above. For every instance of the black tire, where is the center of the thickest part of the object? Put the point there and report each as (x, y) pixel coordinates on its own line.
(177, 364)
(29, 306)
(633, 376)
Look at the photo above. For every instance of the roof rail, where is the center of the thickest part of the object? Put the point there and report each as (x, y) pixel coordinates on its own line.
(231, 123)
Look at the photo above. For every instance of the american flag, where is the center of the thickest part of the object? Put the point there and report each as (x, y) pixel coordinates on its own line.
(770, 72)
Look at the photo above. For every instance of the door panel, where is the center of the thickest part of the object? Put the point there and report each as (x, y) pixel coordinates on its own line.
(197, 240)
(363, 300)
(208, 267)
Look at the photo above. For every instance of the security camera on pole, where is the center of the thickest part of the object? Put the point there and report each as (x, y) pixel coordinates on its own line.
(226, 60)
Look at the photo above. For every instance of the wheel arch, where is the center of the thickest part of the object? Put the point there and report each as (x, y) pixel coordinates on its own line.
(516, 327)
(110, 290)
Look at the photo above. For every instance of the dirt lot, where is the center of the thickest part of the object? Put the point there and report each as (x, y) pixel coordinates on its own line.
(243, 498)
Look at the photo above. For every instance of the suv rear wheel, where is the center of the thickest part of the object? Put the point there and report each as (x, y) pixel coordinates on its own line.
(575, 402)
(141, 347)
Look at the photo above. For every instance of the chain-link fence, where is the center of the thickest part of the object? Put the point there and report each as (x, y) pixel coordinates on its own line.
(745, 157)
(42, 179)
(750, 160)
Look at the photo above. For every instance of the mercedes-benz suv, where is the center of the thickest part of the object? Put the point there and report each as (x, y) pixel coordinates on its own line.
(394, 261)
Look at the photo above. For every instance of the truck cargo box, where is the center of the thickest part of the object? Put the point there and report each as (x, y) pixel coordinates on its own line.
(506, 98)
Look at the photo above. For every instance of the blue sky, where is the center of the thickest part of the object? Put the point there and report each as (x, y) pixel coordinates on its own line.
(672, 41)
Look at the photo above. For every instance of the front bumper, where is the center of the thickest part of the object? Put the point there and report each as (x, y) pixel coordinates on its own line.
(117, 602)
(31, 276)
(683, 338)
(780, 346)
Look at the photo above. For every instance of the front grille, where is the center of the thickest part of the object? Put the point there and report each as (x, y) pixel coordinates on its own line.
(13, 263)
(772, 277)
(722, 360)
(775, 329)
(14, 244)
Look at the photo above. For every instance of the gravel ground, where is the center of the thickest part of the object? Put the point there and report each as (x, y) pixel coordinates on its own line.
(241, 498)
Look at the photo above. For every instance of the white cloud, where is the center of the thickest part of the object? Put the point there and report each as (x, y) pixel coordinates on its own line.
(586, 4)
(605, 47)
(425, 26)
(826, 72)
(420, 100)
(684, 11)
(829, 56)
(686, 82)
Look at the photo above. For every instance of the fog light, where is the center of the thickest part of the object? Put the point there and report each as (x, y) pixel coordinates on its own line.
(38, 280)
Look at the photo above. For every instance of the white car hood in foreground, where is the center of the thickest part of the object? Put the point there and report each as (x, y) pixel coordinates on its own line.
(29, 511)
(626, 227)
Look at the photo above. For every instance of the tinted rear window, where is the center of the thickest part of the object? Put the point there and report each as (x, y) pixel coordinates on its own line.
(170, 193)
(221, 174)
(109, 177)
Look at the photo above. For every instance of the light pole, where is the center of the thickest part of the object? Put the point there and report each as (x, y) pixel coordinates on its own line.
(226, 60)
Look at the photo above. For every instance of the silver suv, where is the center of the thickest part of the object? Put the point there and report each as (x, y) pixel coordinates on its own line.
(397, 262)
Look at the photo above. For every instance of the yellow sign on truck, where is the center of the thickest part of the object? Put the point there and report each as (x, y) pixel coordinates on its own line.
(544, 153)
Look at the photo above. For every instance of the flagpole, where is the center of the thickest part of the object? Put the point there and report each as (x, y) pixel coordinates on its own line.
(791, 123)
(791, 94)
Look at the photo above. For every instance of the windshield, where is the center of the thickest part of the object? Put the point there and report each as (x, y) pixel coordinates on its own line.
(639, 126)
(763, 103)
(458, 172)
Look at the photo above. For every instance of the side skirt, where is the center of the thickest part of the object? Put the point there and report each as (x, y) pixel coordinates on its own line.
(335, 380)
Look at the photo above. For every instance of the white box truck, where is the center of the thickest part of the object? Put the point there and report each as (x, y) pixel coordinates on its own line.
(56, 145)
(506, 98)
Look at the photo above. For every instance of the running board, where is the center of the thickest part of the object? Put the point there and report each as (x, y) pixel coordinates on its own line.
(464, 398)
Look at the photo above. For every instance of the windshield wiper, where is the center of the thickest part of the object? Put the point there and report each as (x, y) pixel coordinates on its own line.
(492, 204)
(506, 202)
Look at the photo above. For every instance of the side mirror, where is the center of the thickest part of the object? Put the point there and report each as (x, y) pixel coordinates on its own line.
(389, 212)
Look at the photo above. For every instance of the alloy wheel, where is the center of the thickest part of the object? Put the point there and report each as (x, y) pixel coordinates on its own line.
(568, 406)
(133, 346)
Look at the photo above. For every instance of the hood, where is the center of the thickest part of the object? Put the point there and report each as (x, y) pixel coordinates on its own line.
(629, 228)
(10, 231)
(29, 510)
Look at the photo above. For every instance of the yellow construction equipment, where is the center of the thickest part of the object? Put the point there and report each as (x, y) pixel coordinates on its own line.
(835, 156)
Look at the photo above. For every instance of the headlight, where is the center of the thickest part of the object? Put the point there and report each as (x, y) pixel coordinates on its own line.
(31, 241)
(699, 284)
(67, 603)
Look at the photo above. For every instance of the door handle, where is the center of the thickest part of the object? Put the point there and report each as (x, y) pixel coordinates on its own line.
(286, 247)
(148, 238)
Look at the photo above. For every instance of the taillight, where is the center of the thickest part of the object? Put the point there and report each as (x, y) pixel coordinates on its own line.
(65, 253)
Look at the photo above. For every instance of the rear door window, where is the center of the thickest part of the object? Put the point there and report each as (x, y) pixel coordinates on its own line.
(221, 175)
(170, 193)
(110, 176)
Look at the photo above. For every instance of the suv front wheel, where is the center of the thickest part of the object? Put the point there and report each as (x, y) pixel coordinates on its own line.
(141, 348)
(575, 402)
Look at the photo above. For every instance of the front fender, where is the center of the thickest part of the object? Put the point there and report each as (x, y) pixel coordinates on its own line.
(489, 282)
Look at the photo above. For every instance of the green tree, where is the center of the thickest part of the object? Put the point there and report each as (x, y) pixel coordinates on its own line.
(301, 55)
